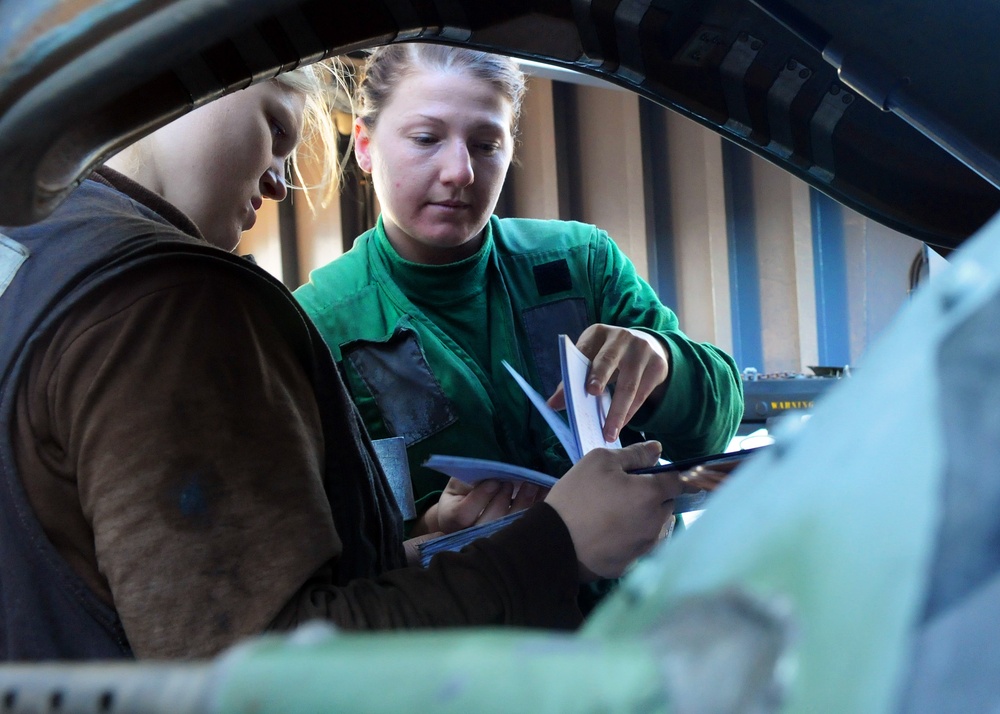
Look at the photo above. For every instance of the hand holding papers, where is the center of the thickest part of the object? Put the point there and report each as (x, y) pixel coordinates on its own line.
(581, 432)
(586, 413)
(460, 539)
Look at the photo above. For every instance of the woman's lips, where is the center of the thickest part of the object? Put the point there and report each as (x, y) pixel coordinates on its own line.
(251, 219)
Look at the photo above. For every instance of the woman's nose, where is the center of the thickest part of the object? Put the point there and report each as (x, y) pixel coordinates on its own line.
(272, 184)
(456, 166)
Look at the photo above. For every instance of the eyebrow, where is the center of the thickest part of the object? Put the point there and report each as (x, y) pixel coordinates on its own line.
(494, 126)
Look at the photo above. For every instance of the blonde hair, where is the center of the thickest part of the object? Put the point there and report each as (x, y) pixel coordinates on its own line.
(387, 66)
(325, 85)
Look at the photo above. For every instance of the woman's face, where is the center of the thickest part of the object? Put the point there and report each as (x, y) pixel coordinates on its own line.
(218, 163)
(438, 156)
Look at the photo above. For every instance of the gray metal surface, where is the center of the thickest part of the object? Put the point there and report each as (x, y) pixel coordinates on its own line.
(80, 80)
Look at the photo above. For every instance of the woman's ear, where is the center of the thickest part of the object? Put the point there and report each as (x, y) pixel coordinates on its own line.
(362, 146)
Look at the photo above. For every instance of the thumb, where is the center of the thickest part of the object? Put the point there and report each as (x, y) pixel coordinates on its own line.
(640, 456)
(558, 399)
(411, 547)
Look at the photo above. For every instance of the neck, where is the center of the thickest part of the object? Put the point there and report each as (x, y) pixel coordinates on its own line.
(134, 163)
(422, 254)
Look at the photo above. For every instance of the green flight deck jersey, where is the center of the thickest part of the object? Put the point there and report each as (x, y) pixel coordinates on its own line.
(421, 346)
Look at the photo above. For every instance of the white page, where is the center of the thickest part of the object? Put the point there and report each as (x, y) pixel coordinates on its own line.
(586, 412)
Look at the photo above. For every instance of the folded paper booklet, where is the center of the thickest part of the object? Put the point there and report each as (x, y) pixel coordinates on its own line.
(582, 431)
(585, 412)
(459, 539)
(472, 471)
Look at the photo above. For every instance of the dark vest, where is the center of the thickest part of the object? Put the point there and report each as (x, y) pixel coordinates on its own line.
(99, 233)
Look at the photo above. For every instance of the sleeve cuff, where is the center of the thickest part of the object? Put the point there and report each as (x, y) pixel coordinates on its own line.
(537, 554)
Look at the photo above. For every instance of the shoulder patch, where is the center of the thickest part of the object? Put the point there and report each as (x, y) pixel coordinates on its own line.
(552, 278)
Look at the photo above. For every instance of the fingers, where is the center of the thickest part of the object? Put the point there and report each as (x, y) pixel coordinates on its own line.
(510, 499)
(456, 487)
(595, 340)
(669, 484)
(558, 399)
(637, 362)
(526, 495)
(614, 516)
(487, 501)
(638, 456)
(462, 506)
(668, 528)
(497, 506)
(634, 385)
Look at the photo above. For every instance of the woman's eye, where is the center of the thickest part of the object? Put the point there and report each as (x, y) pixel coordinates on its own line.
(424, 139)
(277, 130)
(489, 148)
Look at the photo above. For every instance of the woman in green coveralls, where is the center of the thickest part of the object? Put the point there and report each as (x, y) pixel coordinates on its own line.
(423, 309)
